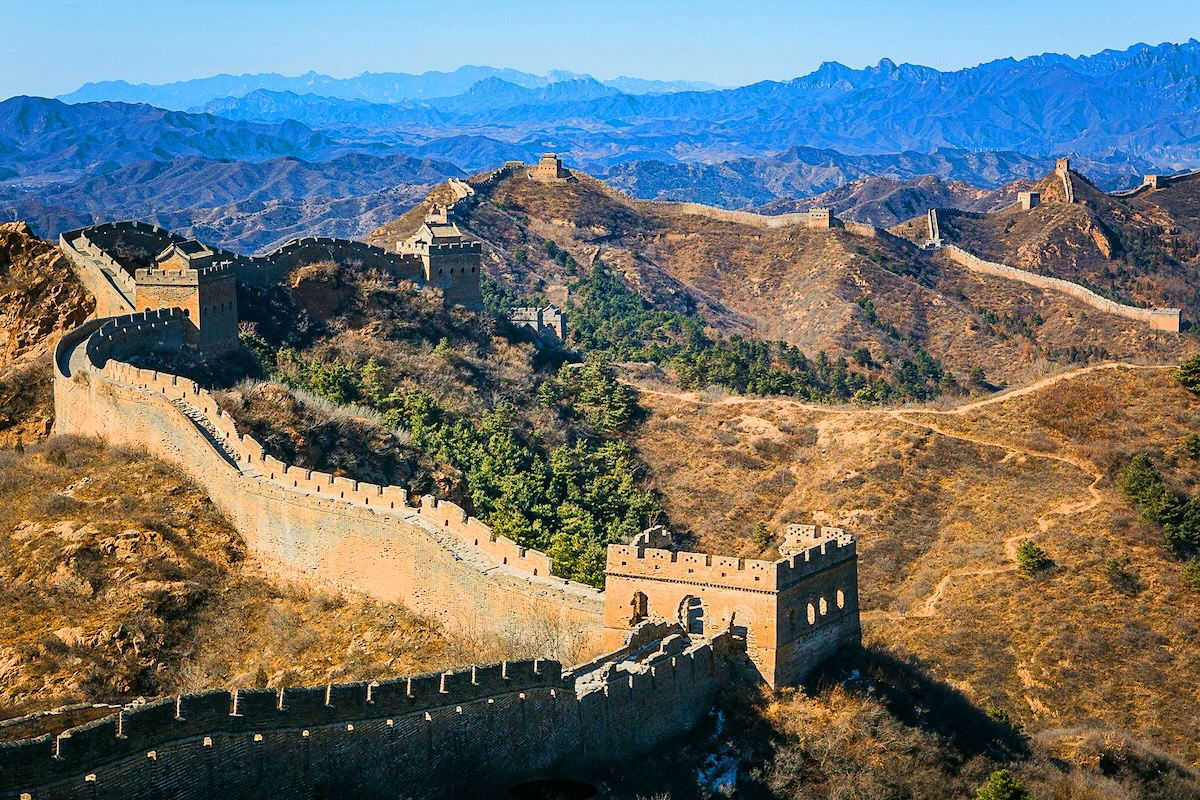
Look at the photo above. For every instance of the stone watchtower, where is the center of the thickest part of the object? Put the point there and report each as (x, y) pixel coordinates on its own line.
(549, 169)
(186, 276)
(819, 218)
(793, 612)
(1029, 200)
(450, 260)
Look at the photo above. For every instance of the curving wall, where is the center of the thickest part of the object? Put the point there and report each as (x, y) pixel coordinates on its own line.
(427, 554)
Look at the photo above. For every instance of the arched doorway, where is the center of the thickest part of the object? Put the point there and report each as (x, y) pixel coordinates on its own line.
(639, 608)
(691, 615)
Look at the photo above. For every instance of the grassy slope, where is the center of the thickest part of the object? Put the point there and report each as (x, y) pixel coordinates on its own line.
(939, 502)
(108, 592)
(792, 284)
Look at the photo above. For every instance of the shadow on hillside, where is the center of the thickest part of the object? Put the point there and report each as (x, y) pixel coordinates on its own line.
(920, 700)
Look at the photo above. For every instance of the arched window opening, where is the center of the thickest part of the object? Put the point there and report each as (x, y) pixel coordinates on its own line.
(691, 615)
(841, 599)
(824, 607)
(812, 614)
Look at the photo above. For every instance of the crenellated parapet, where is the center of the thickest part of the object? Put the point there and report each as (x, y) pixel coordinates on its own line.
(429, 554)
(456, 734)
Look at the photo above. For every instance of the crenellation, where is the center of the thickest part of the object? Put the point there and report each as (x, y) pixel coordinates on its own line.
(349, 700)
(141, 724)
(96, 738)
(256, 705)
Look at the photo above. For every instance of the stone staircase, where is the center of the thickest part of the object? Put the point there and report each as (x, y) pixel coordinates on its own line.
(206, 428)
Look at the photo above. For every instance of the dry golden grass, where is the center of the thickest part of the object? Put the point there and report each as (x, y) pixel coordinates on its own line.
(119, 578)
(939, 502)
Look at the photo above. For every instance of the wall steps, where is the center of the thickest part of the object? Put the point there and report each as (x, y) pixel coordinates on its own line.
(199, 419)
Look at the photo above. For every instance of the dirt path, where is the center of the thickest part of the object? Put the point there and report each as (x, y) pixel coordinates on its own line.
(1075, 505)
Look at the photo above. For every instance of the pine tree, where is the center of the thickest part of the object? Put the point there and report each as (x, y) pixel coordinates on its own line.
(1188, 374)
(1001, 785)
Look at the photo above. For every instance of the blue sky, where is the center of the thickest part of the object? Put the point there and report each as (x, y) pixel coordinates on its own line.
(52, 46)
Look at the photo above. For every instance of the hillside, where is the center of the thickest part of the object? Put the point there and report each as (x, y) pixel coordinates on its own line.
(940, 501)
(40, 299)
(111, 592)
(1133, 249)
(809, 288)
(242, 205)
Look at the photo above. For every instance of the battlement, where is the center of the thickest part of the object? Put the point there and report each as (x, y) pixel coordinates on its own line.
(134, 728)
(729, 571)
(1159, 319)
(699, 568)
(185, 277)
(115, 338)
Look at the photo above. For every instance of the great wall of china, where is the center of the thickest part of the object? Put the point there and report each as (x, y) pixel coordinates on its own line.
(1158, 319)
(669, 629)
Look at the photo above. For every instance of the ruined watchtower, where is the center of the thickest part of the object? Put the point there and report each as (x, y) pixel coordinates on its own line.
(1029, 200)
(792, 612)
(450, 260)
(186, 276)
(549, 320)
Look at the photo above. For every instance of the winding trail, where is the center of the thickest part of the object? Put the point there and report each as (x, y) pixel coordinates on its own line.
(1070, 507)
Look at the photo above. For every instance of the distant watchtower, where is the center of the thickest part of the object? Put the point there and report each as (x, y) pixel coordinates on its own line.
(1029, 200)
(186, 276)
(549, 170)
(450, 260)
(819, 218)
(793, 612)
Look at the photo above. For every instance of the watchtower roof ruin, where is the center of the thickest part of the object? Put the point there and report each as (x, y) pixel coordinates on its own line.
(191, 253)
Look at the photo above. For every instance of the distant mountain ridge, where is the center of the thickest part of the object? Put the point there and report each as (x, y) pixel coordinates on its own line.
(377, 87)
(1143, 101)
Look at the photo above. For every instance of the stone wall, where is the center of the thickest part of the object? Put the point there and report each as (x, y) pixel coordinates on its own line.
(1159, 319)
(430, 555)
(461, 734)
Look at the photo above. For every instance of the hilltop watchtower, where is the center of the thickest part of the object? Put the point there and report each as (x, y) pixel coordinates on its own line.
(819, 218)
(185, 275)
(793, 612)
(450, 260)
(549, 169)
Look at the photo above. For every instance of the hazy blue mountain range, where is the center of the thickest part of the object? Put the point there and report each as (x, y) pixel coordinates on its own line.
(239, 204)
(307, 153)
(375, 87)
(1144, 101)
(40, 136)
